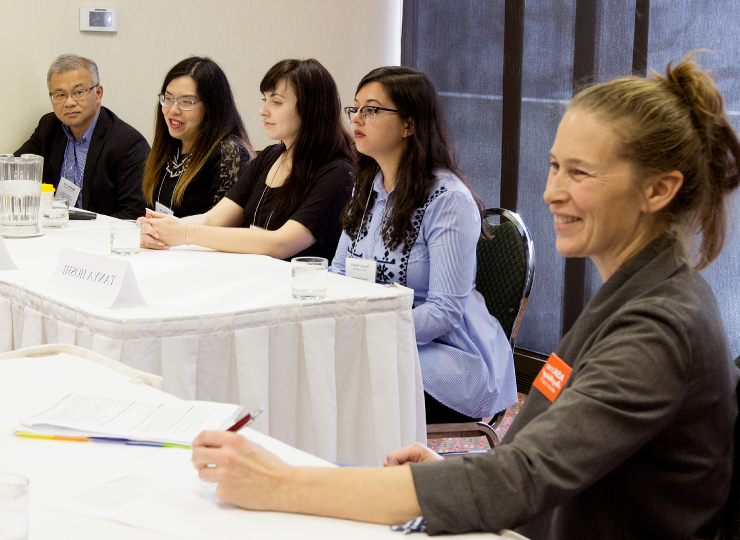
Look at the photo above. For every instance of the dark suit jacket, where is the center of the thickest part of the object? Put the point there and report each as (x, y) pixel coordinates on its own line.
(114, 168)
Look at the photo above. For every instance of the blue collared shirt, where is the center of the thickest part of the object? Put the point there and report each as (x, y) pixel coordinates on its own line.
(75, 156)
(466, 361)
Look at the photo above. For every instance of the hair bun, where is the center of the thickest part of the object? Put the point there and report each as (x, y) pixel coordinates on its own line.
(697, 90)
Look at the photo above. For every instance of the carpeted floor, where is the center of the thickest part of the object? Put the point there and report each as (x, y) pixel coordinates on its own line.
(462, 444)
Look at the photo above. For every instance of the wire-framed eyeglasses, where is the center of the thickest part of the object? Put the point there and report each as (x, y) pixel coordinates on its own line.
(367, 113)
(186, 104)
(77, 95)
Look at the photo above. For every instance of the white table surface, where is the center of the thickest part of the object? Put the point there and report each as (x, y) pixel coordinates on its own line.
(338, 378)
(58, 468)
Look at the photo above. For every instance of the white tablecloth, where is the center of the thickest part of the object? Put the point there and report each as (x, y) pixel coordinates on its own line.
(58, 469)
(338, 378)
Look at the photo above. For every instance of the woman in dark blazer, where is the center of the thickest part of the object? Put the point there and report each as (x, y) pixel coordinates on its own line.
(627, 432)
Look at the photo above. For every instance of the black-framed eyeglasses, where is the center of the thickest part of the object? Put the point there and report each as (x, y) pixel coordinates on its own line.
(185, 104)
(77, 95)
(367, 112)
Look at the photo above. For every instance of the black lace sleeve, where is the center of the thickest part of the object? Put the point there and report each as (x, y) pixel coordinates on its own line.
(230, 164)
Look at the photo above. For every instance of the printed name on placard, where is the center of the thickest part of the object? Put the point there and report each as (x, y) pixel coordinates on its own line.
(88, 274)
(105, 281)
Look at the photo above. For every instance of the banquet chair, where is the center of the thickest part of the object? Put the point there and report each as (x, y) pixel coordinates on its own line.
(731, 516)
(504, 277)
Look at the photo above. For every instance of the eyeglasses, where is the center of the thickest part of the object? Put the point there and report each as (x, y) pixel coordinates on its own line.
(185, 104)
(367, 112)
(77, 95)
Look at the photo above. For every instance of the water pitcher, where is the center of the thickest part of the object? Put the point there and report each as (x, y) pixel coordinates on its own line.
(20, 194)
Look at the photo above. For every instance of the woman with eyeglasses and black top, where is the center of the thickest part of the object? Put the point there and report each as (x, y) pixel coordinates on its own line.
(289, 199)
(200, 143)
(415, 220)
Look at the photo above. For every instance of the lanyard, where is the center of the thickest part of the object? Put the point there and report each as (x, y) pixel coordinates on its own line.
(364, 212)
(254, 218)
(362, 221)
(267, 186)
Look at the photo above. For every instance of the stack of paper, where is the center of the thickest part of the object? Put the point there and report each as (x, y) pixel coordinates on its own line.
(97, 417)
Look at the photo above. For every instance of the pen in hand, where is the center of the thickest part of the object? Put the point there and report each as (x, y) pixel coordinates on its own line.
(248, 419)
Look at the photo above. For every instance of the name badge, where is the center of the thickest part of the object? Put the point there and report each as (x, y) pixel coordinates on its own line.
(68, 190)
(256, 228)
(552, 377)
(103, 281)
(363, 269)
(162, 209)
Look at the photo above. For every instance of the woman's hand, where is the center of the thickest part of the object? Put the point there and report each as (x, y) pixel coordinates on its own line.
(149, 238)
(416, 453)
(160, 231)
(251, 477)
(248, 475)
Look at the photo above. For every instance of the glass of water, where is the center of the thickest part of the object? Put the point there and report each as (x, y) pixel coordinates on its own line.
(56, 214)
(309, 277)
(13, 507)
(125, 237)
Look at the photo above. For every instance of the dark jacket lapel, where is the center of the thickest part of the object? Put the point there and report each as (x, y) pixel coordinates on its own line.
(55, 156)
(97, 141)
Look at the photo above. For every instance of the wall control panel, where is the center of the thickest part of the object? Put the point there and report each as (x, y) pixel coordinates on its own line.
(98, 19)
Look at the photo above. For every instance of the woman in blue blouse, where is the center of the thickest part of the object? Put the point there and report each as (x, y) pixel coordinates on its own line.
(415, 218)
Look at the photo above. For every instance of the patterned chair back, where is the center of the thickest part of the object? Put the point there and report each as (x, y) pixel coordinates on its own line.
(506, 270)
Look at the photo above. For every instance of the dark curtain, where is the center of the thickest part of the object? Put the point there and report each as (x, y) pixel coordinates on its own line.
(505, 71)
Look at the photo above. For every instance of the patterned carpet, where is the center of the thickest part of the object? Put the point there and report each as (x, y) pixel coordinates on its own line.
(462, 444)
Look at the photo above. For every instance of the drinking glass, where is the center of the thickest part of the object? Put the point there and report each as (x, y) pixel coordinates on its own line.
(309, 277)
(56, 215)
(125, 237)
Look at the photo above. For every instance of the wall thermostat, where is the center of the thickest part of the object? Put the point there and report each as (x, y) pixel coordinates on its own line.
(98, 19)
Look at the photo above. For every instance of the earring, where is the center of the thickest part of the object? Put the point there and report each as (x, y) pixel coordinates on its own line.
(405, 131)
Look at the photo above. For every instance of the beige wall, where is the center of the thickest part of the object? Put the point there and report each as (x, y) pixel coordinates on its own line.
(245, 37)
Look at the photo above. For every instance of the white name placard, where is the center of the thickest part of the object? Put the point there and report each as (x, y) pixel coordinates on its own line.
(100, 280)
(6, 261)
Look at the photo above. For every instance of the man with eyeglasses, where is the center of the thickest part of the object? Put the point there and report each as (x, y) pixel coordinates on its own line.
(93, 158)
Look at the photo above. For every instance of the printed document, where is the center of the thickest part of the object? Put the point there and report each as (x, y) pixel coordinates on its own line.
(169, 422)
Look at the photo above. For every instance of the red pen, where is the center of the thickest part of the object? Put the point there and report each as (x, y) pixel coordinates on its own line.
(246, 420)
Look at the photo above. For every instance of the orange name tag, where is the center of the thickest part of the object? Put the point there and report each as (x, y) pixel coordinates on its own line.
(552, 377)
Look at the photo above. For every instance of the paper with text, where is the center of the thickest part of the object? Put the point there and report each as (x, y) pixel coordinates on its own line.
(88, 415)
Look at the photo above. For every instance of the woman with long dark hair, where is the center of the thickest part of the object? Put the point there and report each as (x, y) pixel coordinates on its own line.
(200, 143)
(289, 199)
(416, 220)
